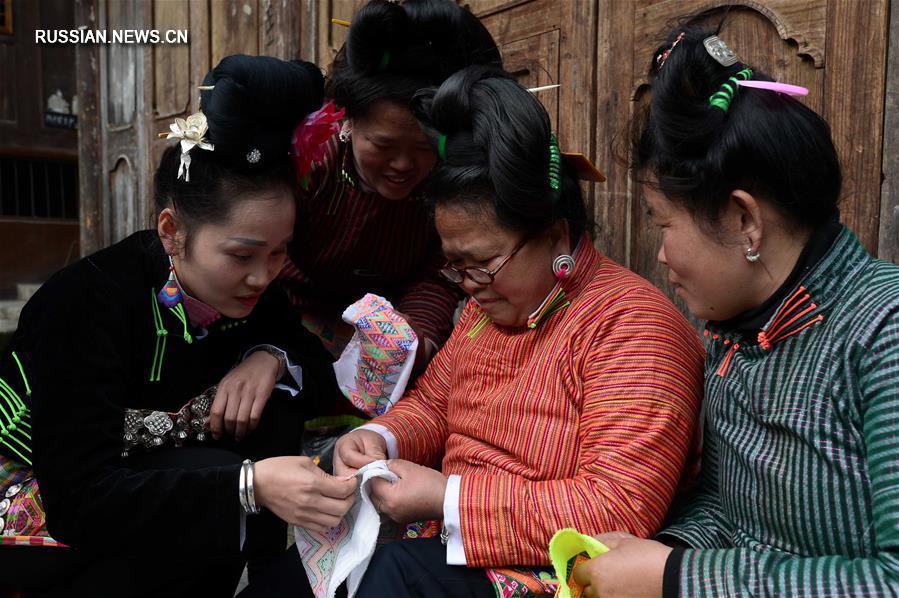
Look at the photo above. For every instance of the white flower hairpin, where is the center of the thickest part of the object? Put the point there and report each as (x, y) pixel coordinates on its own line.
(191, 131)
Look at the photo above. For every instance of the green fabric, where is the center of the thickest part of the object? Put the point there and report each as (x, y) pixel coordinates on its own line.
(563, 547)
(799, 494)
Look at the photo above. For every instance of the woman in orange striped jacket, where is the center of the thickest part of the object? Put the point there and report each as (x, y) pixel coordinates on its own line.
(569, 390)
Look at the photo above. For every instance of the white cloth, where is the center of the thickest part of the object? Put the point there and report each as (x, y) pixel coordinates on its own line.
(455, 549)
(343, 552)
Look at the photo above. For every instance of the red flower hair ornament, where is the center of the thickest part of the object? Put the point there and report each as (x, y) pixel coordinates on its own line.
(310, 137)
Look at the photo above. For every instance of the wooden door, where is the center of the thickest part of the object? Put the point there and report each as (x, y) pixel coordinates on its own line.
(836, 48)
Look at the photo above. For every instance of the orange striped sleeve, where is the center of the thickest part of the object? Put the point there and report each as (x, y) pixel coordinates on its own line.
(641, 375)
(419, 419)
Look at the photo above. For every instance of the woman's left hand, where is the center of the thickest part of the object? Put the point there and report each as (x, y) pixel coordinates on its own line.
(242, 395)
(632, 567)
(416, 495)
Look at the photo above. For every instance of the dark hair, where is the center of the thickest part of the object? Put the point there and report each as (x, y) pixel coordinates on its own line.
(497, 152)
(214, 187)
(392, 50)
(768, 144)
(255, 104)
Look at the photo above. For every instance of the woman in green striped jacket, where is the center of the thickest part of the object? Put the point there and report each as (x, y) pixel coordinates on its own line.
(799, 491)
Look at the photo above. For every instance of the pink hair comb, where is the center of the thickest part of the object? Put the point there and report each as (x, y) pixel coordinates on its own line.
(793, 90)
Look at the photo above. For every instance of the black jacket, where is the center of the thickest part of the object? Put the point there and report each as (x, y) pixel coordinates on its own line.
(86, 342)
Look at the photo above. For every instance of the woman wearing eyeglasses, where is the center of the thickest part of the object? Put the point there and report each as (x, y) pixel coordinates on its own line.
(568, 393)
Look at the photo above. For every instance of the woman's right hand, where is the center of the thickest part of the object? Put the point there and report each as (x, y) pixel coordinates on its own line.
(297, 491)
(356, 449)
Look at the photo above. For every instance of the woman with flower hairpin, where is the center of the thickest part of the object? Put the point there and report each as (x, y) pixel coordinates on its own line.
(800, 476)
(145, 380)
(362, 224)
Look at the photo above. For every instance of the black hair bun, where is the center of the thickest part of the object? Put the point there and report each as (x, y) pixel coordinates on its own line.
(430, 39)
(496, 139)
(378, 27)
(392, 50)
(254, 105)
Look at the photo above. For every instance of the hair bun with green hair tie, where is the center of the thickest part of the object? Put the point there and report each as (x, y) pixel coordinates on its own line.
(555, 162)
(725, 95)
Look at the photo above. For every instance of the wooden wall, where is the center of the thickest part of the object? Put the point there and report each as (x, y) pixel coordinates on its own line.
(844, 51)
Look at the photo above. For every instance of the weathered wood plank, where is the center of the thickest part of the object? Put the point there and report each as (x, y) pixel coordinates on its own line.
(121, 66)
(577, 75)
(853, 105)
(280, 29)
(614, 75)
(235, 28)
(87, 66)
(171, 62)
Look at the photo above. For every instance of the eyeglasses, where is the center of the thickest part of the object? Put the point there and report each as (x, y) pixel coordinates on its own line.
(478, 275)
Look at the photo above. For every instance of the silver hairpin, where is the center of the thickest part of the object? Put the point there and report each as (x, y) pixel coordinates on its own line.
(718, 50)
(544, 88)
(253, 156)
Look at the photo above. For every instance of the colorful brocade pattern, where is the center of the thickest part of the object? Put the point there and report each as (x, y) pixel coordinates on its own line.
(22, 518)
(385, 343)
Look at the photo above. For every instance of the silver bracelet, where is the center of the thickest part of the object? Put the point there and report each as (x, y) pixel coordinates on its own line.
(251, 493)
(245, 488)
(242, 487)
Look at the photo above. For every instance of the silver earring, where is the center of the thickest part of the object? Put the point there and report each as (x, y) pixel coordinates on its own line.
(563, 266)
(752, 256)
(344, 135)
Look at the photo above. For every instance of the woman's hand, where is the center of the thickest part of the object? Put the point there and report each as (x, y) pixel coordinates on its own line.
(242, 395)
(300, 493)
(632, 567)
(416, 495)
(356, 449)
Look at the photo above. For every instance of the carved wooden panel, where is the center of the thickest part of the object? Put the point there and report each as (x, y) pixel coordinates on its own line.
(535, 62)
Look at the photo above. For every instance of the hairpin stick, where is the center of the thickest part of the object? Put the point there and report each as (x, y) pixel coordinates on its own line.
(340, 22)
(205, 87)
(544, 88)
(793, 90)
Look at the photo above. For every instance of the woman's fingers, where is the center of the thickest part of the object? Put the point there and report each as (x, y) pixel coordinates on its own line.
(242, 417)
(217, 411)
(231, 409)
